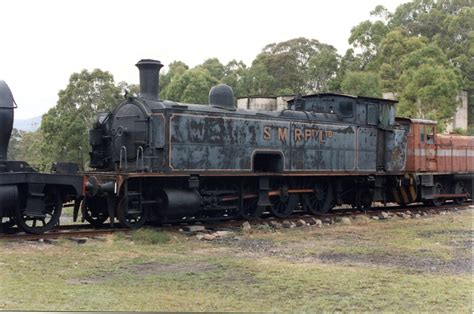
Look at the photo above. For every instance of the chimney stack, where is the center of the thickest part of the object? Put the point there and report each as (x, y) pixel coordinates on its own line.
(149, 78)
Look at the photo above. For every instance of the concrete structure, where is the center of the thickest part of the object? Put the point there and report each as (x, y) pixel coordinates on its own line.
(262, 103)
(278, 103)
(460, 120)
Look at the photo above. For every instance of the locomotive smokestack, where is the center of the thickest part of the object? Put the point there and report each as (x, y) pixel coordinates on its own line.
(6, 118)
(149, 78)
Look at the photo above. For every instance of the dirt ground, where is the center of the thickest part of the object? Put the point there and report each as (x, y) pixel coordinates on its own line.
(413, 265)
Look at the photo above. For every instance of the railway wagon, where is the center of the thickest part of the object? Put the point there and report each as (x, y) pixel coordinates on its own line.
(163, 161)
(440, 164)
(29, 199)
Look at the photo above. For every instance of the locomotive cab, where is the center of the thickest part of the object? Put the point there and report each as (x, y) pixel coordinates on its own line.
(421, 141)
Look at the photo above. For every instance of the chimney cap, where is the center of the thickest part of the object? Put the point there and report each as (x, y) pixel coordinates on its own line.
(148, 62)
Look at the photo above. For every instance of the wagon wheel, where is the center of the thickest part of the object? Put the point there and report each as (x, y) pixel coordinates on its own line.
(131, 218)
(363, 199)
(6, 225)
(250, 210)
(45, 219)
(284, 205)
(320, 201)
(458, 189)
(439, 189)
(95, 211)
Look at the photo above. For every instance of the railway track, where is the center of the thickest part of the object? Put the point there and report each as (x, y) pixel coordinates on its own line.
(67, 231)
(85, 231)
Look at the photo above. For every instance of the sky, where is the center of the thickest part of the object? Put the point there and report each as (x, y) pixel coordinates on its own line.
(43, 42)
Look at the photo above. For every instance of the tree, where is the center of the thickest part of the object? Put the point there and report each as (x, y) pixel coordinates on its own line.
(286, 65)
(430, 85)
(13, 147)
(257, 81)
(192, 86)
(367, 36)
(449, 24)
(322, 70)
(361, 84)
(393, 48)
(175, 70)
(234, 72)
(65, 126)
(215, 68)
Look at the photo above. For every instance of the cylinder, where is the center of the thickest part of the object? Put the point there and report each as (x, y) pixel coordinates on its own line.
(149, 78)
(6, 118)
(179, 202)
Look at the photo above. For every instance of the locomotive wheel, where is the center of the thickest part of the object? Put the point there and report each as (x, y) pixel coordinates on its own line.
(320, 201)
(283, 206)
(439, 189)
(43, 221)
(250, 210)
(458, 189)
(95, 212)
(129, 218)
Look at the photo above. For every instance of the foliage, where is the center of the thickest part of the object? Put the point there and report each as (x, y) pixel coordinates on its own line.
(299, 65)
(30, 147)
(422, 53)
(65, 126)
(175, 69)
(361, 84)
(430, 85)
(215, 68)
(234, 72)
(13, 146)
(191, 87)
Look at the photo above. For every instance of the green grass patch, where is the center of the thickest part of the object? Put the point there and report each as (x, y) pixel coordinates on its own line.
(149, 236)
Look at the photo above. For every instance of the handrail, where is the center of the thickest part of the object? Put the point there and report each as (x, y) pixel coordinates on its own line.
(140, 149)
(123, 149)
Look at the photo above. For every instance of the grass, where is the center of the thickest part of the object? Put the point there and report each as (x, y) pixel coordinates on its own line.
(149, 236)
(262, 271)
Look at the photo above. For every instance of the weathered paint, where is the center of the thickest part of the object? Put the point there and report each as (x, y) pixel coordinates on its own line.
(431, 152)
(228, 143)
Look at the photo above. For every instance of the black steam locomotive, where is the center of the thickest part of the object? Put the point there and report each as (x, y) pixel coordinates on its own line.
(31, 200)
(163, 161)
(158, 161)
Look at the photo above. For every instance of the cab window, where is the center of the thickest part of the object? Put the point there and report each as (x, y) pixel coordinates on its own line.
(422, 133)
(372, 114)
(430, 134)
(346, 108)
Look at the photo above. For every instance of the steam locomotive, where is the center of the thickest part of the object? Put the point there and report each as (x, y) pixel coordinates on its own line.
(160, 161)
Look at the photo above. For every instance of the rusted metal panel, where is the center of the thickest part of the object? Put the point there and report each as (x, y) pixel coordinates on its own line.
(437, 153)
(367, 149)
(396, 150)
(229, 143)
